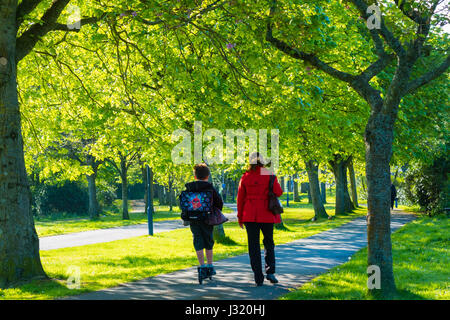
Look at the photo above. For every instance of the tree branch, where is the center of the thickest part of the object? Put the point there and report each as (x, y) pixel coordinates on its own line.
(212, 6)
(26, 42)
(113, 163)
(359, 83)
(377, 67)
(429, 76)
(387, 35)
(132, 158)
(412, 14)
(307, 57)
(80, 23)
(422, 32)
(379, 47)
(24, 8)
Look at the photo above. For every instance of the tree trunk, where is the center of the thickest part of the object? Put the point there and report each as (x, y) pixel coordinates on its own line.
(363, 184)
(309, 195)
(343, 202)
(352, 177)
(93, 203)
(314, 189)
(304, 187)
(378, 138)
(150, 185)
(161, 195)
(225, 191)
(124, 178)
(144, 181)
(162, 199)
(19, 243)
(92, 187)
(323, 192)
(166, 196)
(296, 194)
(171, 196)
(235, 190)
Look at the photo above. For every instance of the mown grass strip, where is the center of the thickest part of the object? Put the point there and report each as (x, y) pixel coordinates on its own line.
(110, 264)
(421, 253)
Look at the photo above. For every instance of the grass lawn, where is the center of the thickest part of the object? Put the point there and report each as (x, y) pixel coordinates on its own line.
(421, 253)
(112, 217)
(109, 219)
(109, 264)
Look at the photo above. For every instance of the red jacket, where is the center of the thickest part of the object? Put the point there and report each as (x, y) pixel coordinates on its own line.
(253, 197)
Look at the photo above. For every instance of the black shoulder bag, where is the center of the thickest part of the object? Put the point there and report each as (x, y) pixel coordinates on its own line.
(274, 203)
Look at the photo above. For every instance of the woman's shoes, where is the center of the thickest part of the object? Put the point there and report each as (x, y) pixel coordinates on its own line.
(271, 278)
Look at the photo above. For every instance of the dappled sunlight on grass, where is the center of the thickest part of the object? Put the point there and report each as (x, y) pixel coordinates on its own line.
(109, 264)
(421, 258)
(110, 220)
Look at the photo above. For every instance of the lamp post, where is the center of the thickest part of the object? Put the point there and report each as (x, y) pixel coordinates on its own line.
(149, 208)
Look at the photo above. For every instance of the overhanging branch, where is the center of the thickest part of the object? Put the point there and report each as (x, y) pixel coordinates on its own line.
(387, 35)
(307, 57)
(412, 14)
(26, 42)
(376, 67)
(360, 83)
(75, 27)
(429, 76)
(24, 8)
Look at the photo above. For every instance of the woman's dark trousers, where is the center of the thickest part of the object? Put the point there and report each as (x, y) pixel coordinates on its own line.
(254, 249)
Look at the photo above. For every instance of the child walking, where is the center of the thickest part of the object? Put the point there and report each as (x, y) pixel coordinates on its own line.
(201, 232)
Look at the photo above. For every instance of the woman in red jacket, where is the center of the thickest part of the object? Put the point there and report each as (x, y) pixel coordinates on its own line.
(253, 212)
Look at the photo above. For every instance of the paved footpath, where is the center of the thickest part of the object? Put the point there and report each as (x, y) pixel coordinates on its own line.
(297, 262)
(105, 235)
(111, 234)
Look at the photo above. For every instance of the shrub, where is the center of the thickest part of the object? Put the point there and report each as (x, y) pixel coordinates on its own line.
(106, 194)
(428, 186)
(71, 197)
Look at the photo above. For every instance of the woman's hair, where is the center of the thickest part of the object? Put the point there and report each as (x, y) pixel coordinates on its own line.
(256, 160)
(201, 171)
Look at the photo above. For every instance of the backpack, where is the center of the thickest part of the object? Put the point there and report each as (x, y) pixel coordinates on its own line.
(196, 205)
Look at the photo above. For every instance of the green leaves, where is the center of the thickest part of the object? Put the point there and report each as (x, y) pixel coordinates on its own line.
(149, 68)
